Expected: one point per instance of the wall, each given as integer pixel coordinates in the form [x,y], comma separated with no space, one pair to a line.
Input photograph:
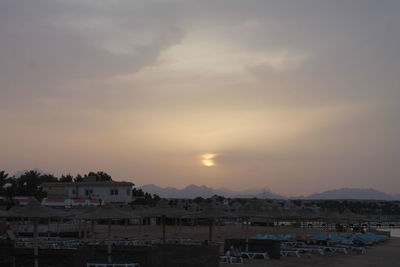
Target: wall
[103,193]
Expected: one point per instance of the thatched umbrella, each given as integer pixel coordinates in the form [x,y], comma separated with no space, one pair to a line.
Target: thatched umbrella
[276,214]
[34,211]
[4,213]
[163,210]
[346,216]
[211,212]
[129,209]
[246,212]
[77,214]
[106,212]
[137,209]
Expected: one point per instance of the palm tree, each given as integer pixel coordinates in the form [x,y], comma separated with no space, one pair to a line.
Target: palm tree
[3,177]
[3,180]
[66,178]
[28,184]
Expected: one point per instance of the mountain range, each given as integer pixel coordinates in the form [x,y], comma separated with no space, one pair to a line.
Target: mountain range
[192,191]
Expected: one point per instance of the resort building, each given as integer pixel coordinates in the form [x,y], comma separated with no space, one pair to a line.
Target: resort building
[105,191]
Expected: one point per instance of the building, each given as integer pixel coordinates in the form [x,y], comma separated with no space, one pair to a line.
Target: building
[106,191]
[69,203]
[20,200]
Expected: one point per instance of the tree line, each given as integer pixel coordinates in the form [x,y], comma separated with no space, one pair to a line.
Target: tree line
[28,183]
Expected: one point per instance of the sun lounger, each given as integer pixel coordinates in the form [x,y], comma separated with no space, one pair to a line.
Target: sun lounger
[105,264]
[334,249]
[230,260]
[290,252]
[224,259]
[254,255]
[293,243]
[311,250]
[361,250]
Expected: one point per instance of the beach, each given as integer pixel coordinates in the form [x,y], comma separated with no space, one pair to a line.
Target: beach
[380,255]
[386,254]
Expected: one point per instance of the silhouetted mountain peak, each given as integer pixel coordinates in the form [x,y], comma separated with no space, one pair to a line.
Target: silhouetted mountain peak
[193,191]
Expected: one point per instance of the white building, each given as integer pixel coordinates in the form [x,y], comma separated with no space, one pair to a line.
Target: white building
[107,192]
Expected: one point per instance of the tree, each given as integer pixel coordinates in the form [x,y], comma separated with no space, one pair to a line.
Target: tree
[66,178]
[156,197]
[48,178]
[78,178]
[28,184]
[100,176]
[3,179]
[199,200]
[137,192]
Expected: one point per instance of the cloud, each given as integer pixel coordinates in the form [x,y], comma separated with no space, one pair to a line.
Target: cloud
[284,90]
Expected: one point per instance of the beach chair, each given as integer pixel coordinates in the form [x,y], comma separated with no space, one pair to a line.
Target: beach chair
[293,244]
[311,250]
[358,249]
[105,264]
[255,255]
[235,260]
[334,249]
[224,259]
[290,252]
[230,260]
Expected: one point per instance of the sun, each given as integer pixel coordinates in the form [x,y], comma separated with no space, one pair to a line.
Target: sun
[208,159]
[208,162]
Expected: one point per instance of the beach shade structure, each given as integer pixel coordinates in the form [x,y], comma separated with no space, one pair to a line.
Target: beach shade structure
[34,211]
[302,215]
[277,214]
[211,212]
[346,216]
[7,214]
[77,213]
[137,209]
[246,212]
[4,213]
[351,216]
[163,210]
[129,209]
[306,214]
[106,212]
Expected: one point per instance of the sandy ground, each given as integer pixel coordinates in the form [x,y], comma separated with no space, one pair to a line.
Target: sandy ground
[381,255]
[199,233]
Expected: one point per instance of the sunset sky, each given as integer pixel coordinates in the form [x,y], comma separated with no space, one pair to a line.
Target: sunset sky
[297,96]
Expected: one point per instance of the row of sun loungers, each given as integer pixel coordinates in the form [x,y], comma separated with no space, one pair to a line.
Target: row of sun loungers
[230,260]
[57,243]
[250,255]
[105,264]
[344,244]
[255,255]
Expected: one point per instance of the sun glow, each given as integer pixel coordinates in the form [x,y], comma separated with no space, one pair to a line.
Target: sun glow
[208,159]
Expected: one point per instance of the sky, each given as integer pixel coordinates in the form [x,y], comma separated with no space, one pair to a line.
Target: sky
[296,96]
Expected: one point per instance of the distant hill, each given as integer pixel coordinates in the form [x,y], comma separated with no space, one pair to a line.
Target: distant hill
[193,191]
[353,193]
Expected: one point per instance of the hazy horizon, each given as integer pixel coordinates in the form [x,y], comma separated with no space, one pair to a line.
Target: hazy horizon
[296,96]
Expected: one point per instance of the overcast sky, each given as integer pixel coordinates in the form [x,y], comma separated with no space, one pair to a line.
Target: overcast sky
[298,96]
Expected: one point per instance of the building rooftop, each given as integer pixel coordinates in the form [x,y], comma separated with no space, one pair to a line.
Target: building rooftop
[103,183]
